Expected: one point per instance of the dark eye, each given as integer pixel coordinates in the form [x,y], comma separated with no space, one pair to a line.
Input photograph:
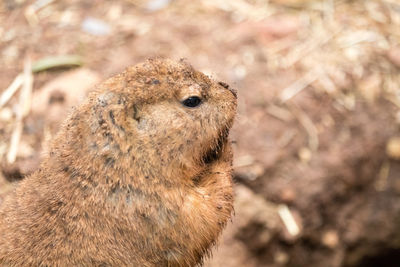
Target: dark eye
[192,101]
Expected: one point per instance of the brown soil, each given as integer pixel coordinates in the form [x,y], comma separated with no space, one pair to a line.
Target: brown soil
[318,110]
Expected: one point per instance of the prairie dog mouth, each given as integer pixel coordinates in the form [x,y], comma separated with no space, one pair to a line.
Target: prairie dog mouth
[215,152]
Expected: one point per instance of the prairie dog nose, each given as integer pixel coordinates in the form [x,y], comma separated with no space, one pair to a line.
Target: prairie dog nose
[226,86]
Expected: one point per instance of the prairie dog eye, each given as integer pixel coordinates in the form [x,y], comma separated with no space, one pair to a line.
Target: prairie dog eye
[192,101]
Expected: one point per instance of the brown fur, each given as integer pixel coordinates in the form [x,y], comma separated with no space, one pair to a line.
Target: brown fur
[133,178]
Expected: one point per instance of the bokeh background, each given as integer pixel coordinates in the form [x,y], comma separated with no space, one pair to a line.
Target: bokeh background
[316,139]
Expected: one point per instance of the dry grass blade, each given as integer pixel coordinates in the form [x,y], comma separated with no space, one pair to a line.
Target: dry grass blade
[39,4]
[286,138]
[10,91]
[26,92]
[252,11]
[15,138]
[307,123]
[31,11]
[243,161]
[24,105]
[302,51]
[57,62]
[298,86]
[279,113]
[288,220]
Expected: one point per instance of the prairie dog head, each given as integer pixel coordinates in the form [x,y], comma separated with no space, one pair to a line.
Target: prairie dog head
[163,117]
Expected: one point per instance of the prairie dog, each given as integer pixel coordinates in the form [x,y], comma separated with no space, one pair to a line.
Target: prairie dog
[138,175]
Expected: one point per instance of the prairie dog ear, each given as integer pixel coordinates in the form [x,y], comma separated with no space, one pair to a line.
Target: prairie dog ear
[117,109]
[116,118]
[110,107]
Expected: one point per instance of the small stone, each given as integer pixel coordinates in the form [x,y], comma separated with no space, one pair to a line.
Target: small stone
[155,5]
[305,154]
[115,12]
[240,72]
[393,148]
[281,258]
[6,114]
[96,27]
[330,239]
[288,195]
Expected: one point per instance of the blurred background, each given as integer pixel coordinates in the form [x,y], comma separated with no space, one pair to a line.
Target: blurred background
[317,138]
